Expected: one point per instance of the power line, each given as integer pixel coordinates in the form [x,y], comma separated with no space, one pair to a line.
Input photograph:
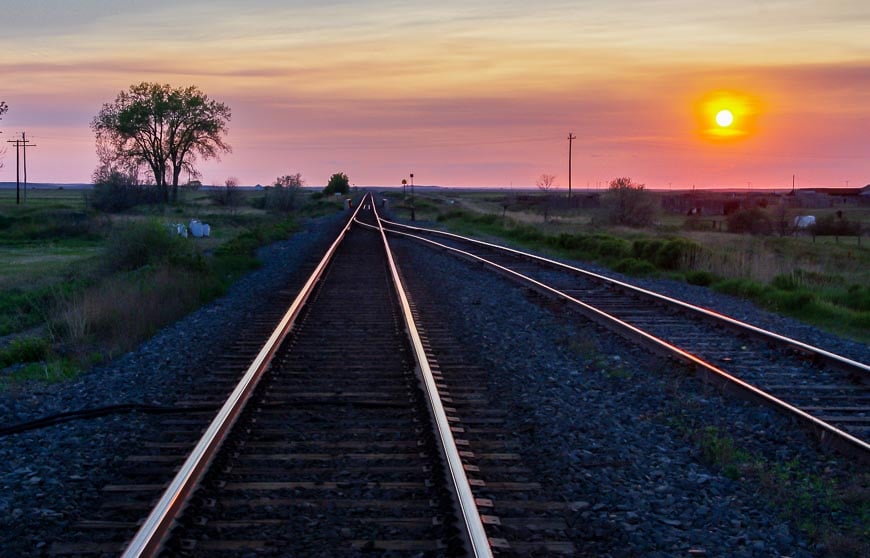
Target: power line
[19,144]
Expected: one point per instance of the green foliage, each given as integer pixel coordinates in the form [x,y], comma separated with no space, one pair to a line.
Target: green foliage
[50,371]
[30,349]
[750,221]
[666,254]
[139,244]
[238,255]
[634,266]
[700,278]
[338,183]
[163,127]
[51,224]
[117,191]
[740,287]
[835,225]
[856,297]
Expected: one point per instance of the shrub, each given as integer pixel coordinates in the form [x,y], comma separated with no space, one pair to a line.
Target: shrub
[740,287]
[751,221]
[611,247]
[856,297]
[633,266]
[792,300]
[835,225]
[677,253]
[139,244]
[647,248]
[700,278]
[666,254]
[117,191]
[24,350]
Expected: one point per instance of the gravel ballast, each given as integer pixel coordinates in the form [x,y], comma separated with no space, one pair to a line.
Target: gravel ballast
[622,433]
[611,428]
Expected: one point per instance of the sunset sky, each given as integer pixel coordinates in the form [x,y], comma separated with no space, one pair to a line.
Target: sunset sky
[471,93]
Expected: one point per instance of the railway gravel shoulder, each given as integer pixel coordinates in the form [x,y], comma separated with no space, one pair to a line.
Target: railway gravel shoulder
[49,477]
[618,433]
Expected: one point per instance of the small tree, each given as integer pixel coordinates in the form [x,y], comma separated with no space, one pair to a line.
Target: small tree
[545,183]
[750,221]
[285,193]
[338,183]
[228,195]
[628,203]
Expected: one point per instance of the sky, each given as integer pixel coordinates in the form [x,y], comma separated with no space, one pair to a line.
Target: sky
[470,93]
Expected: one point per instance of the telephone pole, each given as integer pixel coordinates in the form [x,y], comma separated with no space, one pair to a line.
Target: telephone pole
[19,143]
[571,138]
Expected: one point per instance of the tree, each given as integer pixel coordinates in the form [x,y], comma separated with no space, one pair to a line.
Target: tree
[628,203]
[338,183]
[285,193]
[290,181]
[162,127]
[3,108]
[545,182]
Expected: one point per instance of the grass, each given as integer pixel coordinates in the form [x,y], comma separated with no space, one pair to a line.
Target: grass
[834,513]
[820,281]
[83,286]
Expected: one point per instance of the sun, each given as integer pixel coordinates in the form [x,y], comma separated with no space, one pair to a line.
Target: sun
[727,115]
[724,118]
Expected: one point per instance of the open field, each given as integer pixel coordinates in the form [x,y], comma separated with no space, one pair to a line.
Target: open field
[824,280]
[82,286]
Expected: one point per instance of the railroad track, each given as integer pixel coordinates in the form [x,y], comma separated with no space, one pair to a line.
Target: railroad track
[827,393]
[354,430]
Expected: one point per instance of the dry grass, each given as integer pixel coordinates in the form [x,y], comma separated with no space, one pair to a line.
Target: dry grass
[763,258]
[123,310]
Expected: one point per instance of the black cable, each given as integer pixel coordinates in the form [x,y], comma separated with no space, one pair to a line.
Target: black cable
[69,416]
[124,408]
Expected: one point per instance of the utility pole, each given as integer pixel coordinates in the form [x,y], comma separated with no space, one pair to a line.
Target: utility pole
[19,143]
[24,145]
[571,138]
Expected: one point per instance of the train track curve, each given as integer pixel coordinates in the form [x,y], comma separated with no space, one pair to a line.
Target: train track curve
[825,392]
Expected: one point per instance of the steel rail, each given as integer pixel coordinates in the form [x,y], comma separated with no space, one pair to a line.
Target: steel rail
[478,540]
[805,347]
[827,433]
[153,533]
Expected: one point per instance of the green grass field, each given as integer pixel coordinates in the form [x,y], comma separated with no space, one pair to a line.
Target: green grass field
[85,286]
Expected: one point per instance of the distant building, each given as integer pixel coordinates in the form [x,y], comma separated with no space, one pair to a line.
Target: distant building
[829,197]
